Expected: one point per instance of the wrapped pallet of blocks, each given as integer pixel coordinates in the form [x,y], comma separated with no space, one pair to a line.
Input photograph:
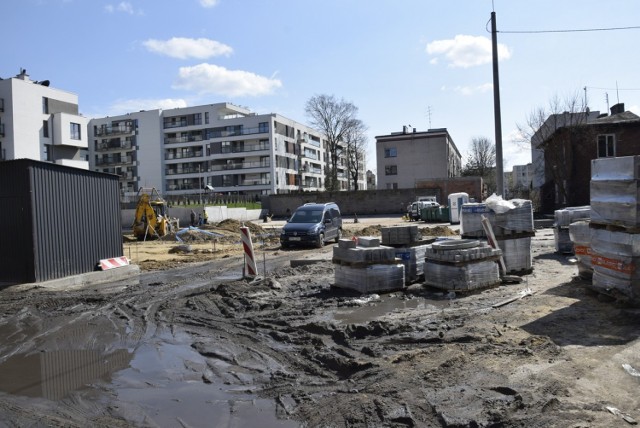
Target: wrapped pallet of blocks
[516,253]
[471,219]
[614,258]
[413,260]
[562,219]
[367,267]
[409,248]
[461,265]
[580,234]
[615,191]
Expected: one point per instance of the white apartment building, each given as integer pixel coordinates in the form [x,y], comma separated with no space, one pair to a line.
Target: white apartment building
[403,158]
[220,147]
[522,176]
[41,123]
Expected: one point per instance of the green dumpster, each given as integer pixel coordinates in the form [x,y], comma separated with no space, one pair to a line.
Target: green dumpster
[444,215]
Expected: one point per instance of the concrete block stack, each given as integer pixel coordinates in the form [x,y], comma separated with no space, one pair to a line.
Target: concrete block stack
[409,249]
[512,224]
[367,266]
[615,226]
[461,265]
[580,234]
[562,220]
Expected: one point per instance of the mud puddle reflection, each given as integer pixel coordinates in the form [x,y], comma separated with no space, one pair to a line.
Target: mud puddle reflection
[368,308]
[165,386]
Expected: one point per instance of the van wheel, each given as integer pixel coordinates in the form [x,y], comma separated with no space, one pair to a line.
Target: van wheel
[338,235]
[320,242]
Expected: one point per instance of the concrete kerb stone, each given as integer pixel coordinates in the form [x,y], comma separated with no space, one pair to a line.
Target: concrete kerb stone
[89,278]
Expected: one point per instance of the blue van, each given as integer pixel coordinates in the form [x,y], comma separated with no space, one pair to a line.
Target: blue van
[312,224]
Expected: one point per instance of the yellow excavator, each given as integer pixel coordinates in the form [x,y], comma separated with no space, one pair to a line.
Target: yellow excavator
[151,220]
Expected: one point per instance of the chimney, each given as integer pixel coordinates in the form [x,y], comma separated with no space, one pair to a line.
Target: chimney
[404,129]
[617,108]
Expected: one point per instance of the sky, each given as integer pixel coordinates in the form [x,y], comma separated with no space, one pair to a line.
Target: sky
[418,63]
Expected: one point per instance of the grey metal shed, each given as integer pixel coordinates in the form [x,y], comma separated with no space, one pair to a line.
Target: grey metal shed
[55,221]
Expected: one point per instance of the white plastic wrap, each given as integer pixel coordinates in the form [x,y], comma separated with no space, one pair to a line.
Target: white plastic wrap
[616,202]
[615,257]
[516,254]
[471,218]
[413,260]
[566,216]
[580,235]
[618,168]
[562,239]
[461,278]
[517,219]
[370,279]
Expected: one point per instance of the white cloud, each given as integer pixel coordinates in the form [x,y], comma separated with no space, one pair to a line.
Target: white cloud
[466,51]
[470,90]
[137,104]
[212,79]
[124,7]
[183,48]
[634,109]
[208,3]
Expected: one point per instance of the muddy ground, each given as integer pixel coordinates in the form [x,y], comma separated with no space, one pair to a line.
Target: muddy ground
[194,345]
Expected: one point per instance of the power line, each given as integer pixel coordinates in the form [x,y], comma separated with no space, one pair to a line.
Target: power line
[613,89]
[583,30]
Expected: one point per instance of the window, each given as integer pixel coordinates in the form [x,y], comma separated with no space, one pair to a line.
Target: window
[391,152]
[206,117]
[606,146]
[45,128]
[75,131]
[391,170]
[263,127]
[45,105]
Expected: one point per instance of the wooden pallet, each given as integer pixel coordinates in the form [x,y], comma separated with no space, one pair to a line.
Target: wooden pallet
[364,264]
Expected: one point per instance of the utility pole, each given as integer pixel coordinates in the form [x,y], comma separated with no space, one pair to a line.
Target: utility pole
[496,108]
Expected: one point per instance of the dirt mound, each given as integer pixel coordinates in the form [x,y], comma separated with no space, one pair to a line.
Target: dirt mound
[234,226]
[438,231]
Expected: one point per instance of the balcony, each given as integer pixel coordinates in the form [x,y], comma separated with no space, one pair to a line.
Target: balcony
[1,129]
[239,165]
[185,170]
[114,161]
[125,145]
[183,155]
[104,131]
[234,133]
[185,139]
[1,105]
[245,148]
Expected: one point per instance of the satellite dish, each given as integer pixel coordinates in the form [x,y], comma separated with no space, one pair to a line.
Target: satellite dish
[45,83]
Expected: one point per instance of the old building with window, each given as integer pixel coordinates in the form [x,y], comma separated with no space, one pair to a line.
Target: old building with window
[562,151]
[404,158]
[221,148]
[41,123]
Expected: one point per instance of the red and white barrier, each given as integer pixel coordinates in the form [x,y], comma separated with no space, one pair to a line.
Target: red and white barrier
[116,262]
[249,259]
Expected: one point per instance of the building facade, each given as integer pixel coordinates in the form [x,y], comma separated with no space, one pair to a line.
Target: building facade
[404,158]
[41,123]
[569,150]
[221,148]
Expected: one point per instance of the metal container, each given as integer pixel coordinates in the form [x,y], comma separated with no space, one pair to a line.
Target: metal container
[55,221]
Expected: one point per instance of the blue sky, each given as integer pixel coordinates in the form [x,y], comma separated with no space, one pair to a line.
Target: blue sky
[422,63]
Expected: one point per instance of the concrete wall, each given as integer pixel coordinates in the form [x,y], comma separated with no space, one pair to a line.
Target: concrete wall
[216,214]
[369,202]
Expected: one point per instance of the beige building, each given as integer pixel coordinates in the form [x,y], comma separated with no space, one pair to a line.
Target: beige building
[403,158]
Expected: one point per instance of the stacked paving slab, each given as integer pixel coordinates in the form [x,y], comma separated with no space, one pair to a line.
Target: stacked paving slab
[580,234]
[512,224]
[461,265]
[562,220]
[366,266]
[409,249]
[615,226]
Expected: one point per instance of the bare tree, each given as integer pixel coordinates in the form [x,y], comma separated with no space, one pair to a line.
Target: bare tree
[481,161]
[553,134]
[334,118]
[356,145]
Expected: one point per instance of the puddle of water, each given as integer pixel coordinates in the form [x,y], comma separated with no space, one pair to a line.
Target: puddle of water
[164,386]
[54,374]
[387,304]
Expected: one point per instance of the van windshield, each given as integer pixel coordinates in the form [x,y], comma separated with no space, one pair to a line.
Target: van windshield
[306,216]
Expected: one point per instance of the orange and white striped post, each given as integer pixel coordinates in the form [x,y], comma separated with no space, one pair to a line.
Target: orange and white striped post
[250,268]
